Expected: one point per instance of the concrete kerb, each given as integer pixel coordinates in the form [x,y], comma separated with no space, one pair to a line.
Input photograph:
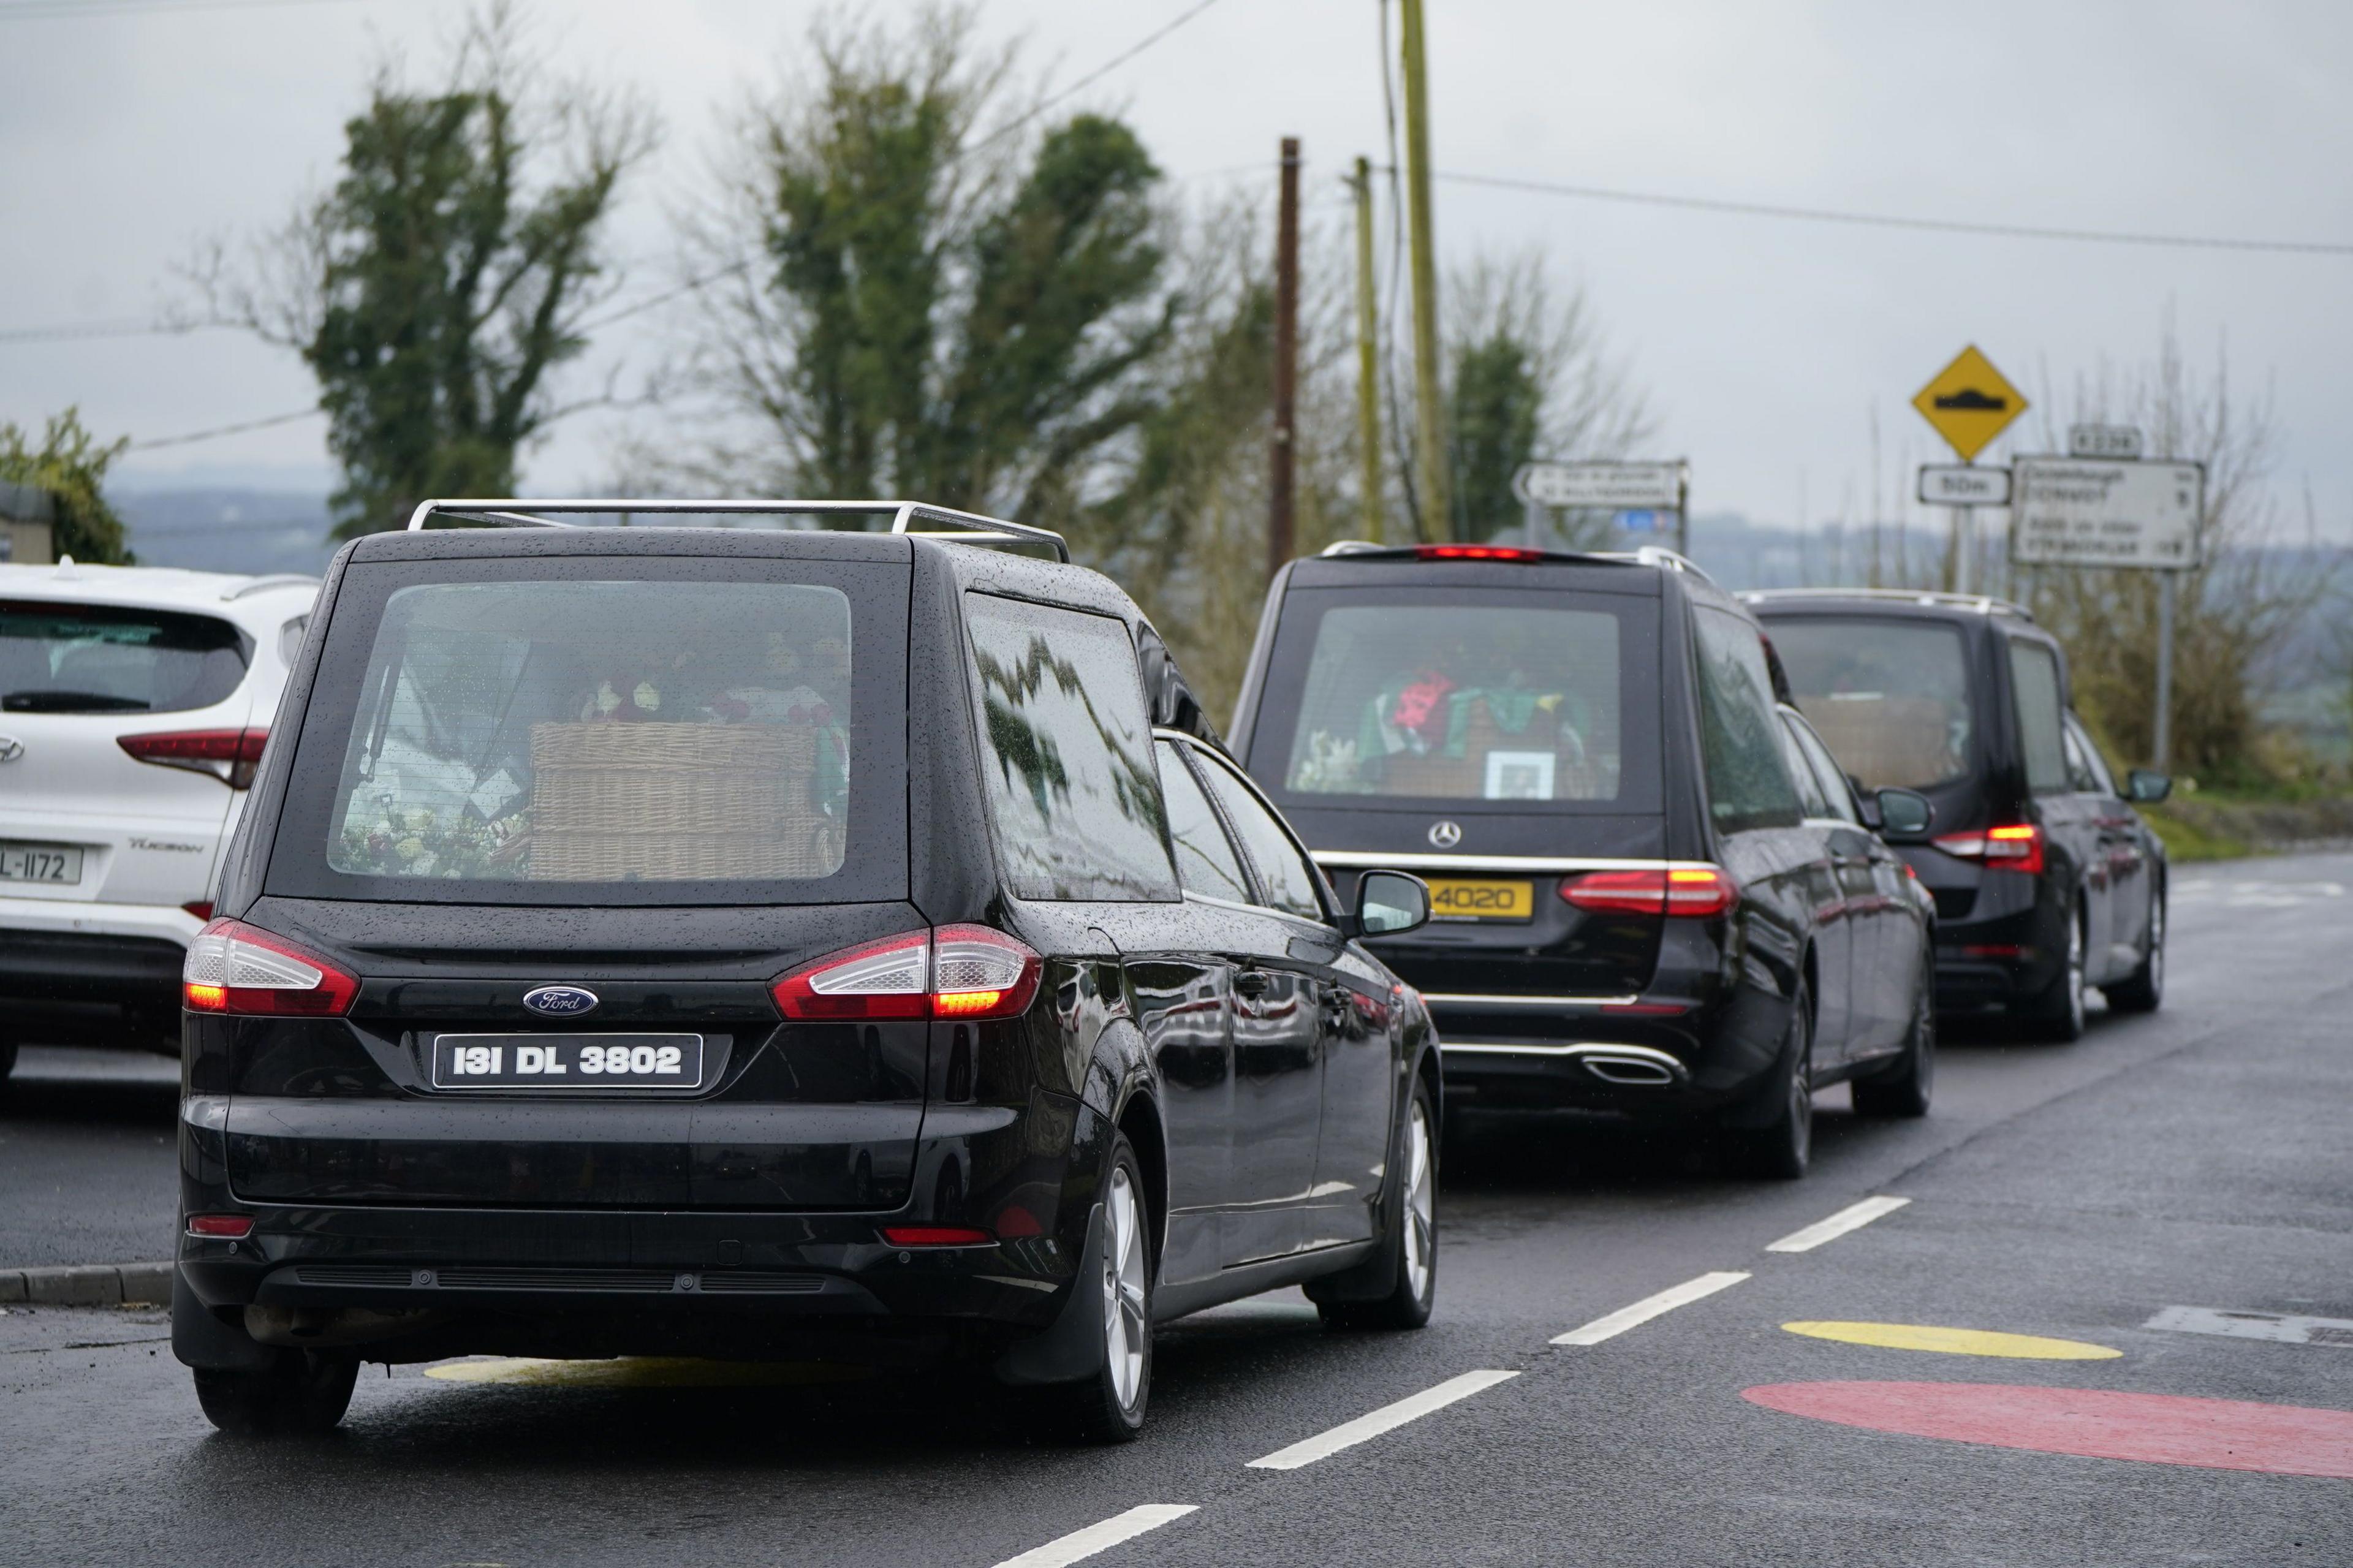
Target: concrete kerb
[87,1285]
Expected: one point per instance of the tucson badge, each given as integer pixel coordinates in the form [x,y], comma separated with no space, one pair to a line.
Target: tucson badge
[560,1001]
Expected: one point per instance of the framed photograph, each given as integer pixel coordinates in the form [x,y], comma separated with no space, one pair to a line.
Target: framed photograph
[1519,776]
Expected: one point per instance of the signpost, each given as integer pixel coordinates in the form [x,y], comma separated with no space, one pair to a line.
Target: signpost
[2114,513]
[1630,489]
[1963,484]
[2104,441]
[1968,403]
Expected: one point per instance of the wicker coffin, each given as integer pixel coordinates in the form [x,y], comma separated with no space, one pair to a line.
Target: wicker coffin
[613,803]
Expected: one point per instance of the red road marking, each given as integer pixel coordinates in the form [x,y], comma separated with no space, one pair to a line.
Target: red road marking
[2101,1423]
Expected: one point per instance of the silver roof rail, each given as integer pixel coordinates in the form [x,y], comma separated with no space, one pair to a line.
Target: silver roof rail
[1354,547]
[263,584]
[961,527]
[1979,604]
[1659,555]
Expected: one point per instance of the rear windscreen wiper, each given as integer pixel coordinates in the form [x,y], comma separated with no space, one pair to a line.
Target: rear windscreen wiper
[69,702]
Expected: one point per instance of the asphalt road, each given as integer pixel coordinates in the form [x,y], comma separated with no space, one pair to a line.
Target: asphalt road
[2201,1158]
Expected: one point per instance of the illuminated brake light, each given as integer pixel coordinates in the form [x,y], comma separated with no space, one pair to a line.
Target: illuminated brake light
[239,969]
[961,972]
[231,756]
[937,1236]
[1691,892]
[2013,847]
[1474,553]
[221,1226]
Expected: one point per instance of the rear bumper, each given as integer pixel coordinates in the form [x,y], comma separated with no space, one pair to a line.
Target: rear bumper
[93,972]
[2002,957]
[420,1284]
[1663,1070]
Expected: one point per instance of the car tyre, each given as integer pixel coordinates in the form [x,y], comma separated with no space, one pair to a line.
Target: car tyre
[304,1393]
[1781,1148]
[2143,991]
[1904,1089]
[1412,1240]
[2057,1015]
[1108,1405]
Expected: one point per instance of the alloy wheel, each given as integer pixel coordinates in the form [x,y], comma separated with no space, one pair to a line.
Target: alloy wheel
[1124,1327]
[1421,1203]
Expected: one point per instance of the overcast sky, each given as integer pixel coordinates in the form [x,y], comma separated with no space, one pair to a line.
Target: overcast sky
[1767,345]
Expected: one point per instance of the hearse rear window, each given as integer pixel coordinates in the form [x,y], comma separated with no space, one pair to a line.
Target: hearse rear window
[543,739]
[1505,696]
[1890,698]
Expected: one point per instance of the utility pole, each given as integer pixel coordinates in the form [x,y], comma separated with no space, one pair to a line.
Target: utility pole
[1437,513]
[1286,363]
[1368,362]
[2161,743]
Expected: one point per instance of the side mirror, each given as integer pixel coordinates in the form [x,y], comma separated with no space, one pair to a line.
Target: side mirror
[1904,813]
[2143,787]
[1389,902]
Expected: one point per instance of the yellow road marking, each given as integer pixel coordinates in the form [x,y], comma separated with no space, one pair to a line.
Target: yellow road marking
[1953,1341]
[641,1372]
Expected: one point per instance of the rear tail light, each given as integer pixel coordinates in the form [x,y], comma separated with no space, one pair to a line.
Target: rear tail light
[233,967]
[961,972]
[937,1236]
[229,755]
[1474,553]
[200,908]
[221,1226]
[2013,847]
[1692,892]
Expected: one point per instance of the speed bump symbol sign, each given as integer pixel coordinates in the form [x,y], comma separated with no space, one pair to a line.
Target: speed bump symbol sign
[1969,403]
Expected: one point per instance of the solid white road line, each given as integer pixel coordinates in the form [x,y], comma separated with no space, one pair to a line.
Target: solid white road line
[1648,1307]
[1854,1217]
[1388,1417]
[1082,1544]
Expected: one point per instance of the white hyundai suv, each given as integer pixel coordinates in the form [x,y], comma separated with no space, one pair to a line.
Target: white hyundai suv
[133,705]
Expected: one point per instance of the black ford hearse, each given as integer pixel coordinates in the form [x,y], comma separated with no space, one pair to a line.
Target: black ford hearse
[771,941]
[1649,897]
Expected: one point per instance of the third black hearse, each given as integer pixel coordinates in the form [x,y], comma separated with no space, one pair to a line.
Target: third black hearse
[1638,908]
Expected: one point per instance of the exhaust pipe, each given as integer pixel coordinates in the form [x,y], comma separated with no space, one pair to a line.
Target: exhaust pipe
[1629,1070]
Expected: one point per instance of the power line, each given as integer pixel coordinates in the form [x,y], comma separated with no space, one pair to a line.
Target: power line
[122,327]
[38,10]
[224,430]
[1890,220]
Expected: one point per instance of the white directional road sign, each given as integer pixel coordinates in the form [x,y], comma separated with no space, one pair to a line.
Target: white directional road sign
[2102,441]
[1964,484]
[2075,512]
[1614,486]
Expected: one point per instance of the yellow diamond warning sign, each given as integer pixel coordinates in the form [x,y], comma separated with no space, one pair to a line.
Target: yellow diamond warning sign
[1969,403]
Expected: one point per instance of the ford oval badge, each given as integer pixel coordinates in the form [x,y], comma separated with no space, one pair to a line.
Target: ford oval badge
[560,1001]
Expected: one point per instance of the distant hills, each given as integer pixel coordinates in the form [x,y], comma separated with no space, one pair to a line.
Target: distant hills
[228,528]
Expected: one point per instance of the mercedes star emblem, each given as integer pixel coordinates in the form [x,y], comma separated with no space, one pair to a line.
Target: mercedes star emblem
[1446,835]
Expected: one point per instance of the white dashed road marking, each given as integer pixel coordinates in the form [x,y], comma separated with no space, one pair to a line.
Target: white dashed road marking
[1648,1307]
[1854,1217]
[2278,1328]
[1082,1544]
[1388,1417]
